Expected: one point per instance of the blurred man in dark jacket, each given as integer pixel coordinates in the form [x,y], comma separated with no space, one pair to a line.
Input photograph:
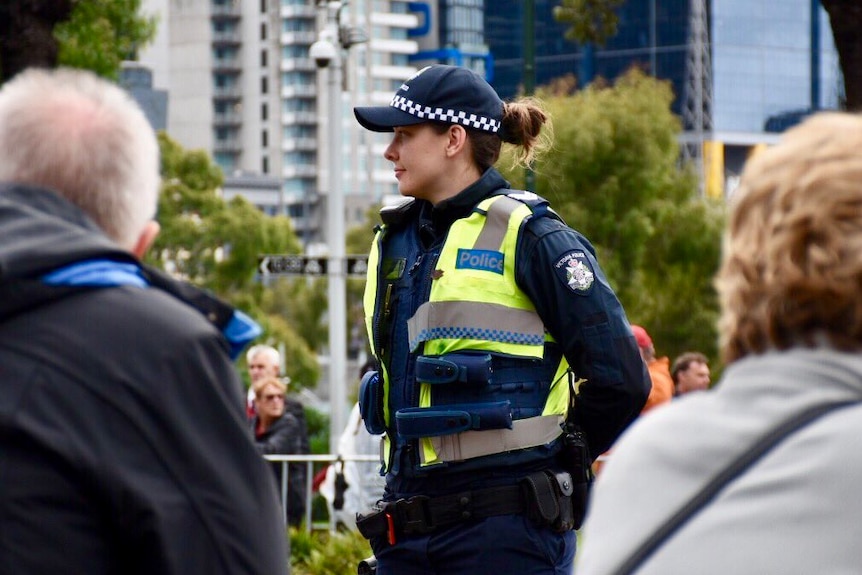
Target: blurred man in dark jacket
[124,443]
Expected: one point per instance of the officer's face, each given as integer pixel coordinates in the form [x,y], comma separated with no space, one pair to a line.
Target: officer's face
[419,155]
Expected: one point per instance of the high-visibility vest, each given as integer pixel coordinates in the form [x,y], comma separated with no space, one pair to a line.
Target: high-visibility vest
[476,306]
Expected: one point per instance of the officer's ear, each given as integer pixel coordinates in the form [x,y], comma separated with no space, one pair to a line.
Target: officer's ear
[457,140]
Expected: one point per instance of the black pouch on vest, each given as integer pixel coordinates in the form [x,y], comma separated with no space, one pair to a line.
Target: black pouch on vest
[414,422]
[371,403]
[472,369]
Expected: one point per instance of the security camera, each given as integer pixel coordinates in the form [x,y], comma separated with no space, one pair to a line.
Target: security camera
[323,52]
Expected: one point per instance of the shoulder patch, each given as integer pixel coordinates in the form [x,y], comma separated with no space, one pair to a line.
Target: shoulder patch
[576,272]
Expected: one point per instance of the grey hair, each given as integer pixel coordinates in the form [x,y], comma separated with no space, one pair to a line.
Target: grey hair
[266,350]
[86,139]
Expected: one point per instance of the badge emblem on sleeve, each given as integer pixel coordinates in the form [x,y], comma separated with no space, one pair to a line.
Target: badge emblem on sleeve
[575,271]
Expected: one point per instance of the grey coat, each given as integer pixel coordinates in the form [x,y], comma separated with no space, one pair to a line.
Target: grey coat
[793,511]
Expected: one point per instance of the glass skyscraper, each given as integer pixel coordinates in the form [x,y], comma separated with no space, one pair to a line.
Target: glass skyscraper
[651,35]
[762,65]
[761,54]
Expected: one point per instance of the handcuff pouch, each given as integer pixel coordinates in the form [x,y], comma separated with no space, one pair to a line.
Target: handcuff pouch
[371,403]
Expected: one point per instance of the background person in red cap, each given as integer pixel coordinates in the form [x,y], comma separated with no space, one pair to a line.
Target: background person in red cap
[481,305]
[662,390]
[659,370]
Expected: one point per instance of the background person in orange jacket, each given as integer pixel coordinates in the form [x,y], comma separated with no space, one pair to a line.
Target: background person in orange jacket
[659,370]
[662,390]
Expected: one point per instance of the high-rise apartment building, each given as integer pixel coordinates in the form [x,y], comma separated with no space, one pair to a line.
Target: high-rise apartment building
[218,60]
[242,86]
[403,37]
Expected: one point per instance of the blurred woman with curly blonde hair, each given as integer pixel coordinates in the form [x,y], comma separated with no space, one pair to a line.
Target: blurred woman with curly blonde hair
[764,468]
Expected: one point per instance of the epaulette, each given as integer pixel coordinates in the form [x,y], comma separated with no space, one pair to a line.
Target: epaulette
[537,204]
[395,214]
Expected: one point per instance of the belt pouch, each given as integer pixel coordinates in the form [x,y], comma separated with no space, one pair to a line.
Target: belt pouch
[371,403]
[549,499]
[565,489]
[415,422]
[474,369]
[372,525]
[542,502]
[575,458]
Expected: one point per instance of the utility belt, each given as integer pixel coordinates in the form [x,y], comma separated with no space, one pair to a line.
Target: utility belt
[543,496]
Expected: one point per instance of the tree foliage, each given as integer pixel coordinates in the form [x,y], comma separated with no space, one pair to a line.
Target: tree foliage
[216,244]
[358,242]
[614,175]
[100,34]
[95,35]
[592,21]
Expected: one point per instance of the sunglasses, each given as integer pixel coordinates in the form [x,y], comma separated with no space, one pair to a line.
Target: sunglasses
[277,396]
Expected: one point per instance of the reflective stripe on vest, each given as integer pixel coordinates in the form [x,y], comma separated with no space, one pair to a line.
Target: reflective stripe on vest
[530,432]
[462,320]
[475,302]
[369,297]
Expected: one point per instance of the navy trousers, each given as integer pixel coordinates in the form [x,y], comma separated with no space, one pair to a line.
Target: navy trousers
[499,545]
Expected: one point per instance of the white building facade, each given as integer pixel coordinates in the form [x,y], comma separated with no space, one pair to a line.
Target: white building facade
[242,86]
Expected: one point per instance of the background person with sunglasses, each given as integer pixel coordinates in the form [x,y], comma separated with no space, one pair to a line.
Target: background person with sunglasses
[277,432]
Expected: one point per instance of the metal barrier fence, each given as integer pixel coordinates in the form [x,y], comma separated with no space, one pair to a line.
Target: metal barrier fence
[309,461]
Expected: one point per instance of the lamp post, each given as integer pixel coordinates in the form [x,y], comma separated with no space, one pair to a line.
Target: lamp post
[328,53]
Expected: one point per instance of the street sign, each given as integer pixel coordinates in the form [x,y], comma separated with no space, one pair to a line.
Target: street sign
[295,265]
[357,266]
[300,265]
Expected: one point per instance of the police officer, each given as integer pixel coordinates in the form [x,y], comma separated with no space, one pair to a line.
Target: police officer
[484,311]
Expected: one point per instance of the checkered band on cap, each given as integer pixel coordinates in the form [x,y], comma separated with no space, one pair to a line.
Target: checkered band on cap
[443,115]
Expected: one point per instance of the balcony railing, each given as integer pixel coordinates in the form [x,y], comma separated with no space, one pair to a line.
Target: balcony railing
[227,118]
[299,91]
[227,92]
[302,118]
[297,65]
[229,37]
[304,38]
[227,65]
[227,145]
[296,11]
[299,144]
[230,10]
